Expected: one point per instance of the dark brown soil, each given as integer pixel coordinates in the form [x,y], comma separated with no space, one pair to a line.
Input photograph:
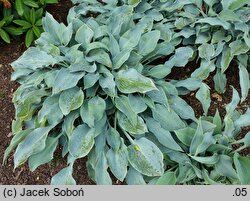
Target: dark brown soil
[22,175]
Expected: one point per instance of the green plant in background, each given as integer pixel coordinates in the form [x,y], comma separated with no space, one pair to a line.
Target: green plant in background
[96,88]
[23,16]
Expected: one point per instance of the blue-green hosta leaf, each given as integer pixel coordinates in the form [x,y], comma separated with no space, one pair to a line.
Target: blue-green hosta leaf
[238,47]
[214,21]
[234,4]
[233,104]
[137,103]
[113,46]
[185,135]
[244,82]
[243,120]
[207,141]
[95,45]
[160,71]
[50,110]
[134,3]
[169,178]
[148,42]
[134,177]
[102,176]
[100,56]
[242,165]
[190,83]
[56,33]
[203,38]
[108,84]
[208,160]
[114,139]
[202,73]
[217,121]
[121,58]
[84,35]
[68,123]
[64,177]
[159,96]
[168,119]
[224,167]
[182,108]
[220,36]
[65,80]
[32,144]
[197,139]
[130,81]
[206,51]
[46,155]
[34,58]
[119,18]
[163,136]
[81,141]
[18,137]
[136,128]
[229,15]
[220,82]
[93,110]
[71,99]
[131,38]
[146,157]
[226,59]
[203,95]
[182,56]
[122,103]
[118,162]
[90,79]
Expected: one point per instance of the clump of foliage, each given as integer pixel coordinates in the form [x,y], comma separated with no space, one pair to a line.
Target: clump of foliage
[97,89]
[22,17]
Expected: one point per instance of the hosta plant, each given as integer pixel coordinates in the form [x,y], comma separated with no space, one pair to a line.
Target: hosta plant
[96,88]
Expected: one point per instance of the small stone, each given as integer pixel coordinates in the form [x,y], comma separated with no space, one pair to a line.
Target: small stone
[217,96]
[1,65]
[9,135]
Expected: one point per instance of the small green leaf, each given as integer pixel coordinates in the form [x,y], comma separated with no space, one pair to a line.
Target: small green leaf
[29,38]
[4,35]
[19,7]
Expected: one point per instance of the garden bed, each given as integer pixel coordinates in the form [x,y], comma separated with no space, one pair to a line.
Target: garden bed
[42,175]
